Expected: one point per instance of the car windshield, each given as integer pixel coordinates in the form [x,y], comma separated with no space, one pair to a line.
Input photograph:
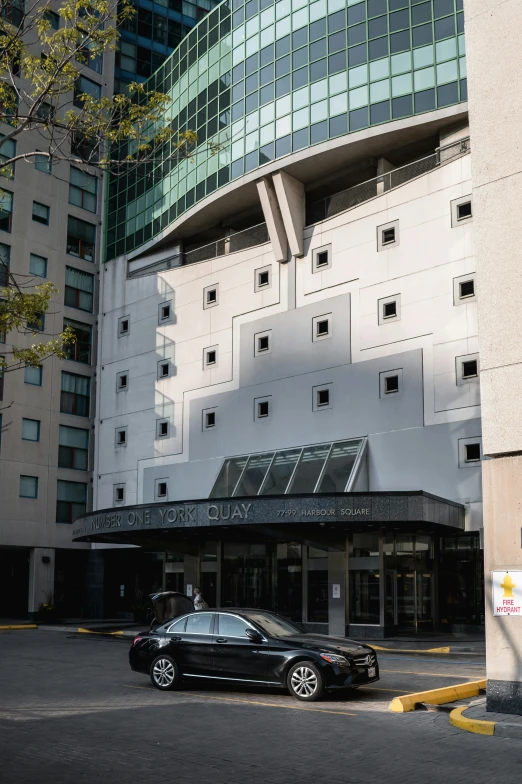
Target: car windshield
[276,626]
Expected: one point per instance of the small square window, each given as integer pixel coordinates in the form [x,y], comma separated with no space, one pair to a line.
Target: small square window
[464,210]
[33,375]
[263,344]
[30,429]
[122,381]
[162,428]
[41,213]
[211,357]
[389,310]
[470,368]
[163,370]
[263,279]
[461,211]
[119,494]
[472,452]
[391,384]
[28,487]
[121,436]
[161,489]
[123,326]
[210,296]
[262,409]
[466,289]
[164,312]
[323,397]
[321,258]
[388,235]
[209,420]
[322,327]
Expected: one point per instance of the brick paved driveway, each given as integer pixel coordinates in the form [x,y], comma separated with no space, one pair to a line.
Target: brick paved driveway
[71,710]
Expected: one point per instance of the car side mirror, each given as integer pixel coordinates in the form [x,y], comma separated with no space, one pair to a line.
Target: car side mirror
[253,635]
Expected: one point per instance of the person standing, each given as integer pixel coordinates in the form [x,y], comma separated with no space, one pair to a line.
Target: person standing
[199,602]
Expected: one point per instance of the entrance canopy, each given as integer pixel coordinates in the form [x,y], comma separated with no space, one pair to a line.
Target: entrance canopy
[299,516]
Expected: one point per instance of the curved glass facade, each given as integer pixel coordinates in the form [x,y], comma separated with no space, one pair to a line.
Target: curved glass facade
[265,79]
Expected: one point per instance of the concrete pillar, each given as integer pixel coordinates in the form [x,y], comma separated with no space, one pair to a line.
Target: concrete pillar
[502,488]
[383,166]
[291,197]
[337,593]
[274,221]
[41,578]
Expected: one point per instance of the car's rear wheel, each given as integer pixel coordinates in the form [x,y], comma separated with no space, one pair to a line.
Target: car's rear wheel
[305,682]
[164,673]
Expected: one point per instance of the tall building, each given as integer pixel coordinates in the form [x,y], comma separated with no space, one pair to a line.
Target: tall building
[288,407]
[496,114]
[50,230]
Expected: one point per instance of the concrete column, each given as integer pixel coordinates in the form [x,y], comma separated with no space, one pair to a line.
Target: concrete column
[274,221]
[337,593]
[41,578]
[502,487]
[291,197]
[383,166]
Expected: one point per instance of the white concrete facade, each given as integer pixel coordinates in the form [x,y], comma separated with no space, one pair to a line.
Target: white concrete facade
[417,437]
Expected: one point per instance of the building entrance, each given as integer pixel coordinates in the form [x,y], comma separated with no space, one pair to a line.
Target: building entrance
[409,580]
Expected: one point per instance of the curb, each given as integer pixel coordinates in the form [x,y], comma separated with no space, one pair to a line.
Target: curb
[460,691]
[18,627]
[478,726]
[413,650]
[105,634]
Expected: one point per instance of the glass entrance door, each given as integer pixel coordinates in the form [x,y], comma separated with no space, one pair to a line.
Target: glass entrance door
[409,583]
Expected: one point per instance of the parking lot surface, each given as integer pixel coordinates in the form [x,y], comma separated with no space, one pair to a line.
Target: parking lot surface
[70,708]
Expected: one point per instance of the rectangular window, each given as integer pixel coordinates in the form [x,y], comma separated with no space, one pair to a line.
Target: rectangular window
[38,265]
[470,369]
[210,296]
[119,494]
[41,213]
[472,452]
[163,369]
[94,62]
[38,325]
[79,289]
[71,501]
[83,147]
[162,489]
[262,409]
[121,436]
[165,312]
[75,394]
[8,151]
[28,487]
[162,428]
[467,289]
[391,384]
[83,189]
[5,263]
[13,11]
[123,326]
[122,381]
[210,357]
[85,86]
[209,420]
[81,238]
[33,375]
[53,19]
[73,449]
[43,163]
[388,235]
[323,398]
[6,210]
[80,351]
[321,258]
[30,429]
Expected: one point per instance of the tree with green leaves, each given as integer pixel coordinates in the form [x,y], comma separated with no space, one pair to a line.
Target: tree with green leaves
[61,115]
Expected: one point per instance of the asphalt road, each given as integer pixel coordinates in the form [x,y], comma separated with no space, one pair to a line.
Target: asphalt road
[71,709]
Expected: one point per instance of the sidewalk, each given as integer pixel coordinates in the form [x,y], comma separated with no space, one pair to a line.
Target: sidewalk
[447,644]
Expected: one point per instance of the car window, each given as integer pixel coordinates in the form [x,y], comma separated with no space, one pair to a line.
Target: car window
[179,626]
[199,623]
[230,626]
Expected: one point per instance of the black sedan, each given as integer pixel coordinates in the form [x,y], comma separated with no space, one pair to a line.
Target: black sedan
[251,646]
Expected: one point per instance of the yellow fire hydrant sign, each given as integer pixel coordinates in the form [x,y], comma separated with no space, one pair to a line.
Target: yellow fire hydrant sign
[507,592]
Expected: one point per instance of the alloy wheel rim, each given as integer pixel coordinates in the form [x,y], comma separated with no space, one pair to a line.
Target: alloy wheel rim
[163,672]
[304,682]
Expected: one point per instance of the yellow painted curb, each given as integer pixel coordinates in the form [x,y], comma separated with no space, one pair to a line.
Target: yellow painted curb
[437,696]
[478,726]
[90,631]
[20,626]
[413,650]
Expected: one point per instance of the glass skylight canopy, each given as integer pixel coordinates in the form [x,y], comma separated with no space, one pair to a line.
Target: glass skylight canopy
[319,468]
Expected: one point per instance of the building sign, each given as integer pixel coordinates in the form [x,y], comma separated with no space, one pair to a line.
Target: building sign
[507,592]
[348,508]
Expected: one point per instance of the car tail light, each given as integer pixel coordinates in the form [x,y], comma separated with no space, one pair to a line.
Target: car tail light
[137,639]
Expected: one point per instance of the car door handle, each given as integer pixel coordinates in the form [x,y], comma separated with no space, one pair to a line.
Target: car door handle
[175,639]
[221,639]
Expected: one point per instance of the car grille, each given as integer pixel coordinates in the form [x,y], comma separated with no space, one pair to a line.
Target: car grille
[368,660]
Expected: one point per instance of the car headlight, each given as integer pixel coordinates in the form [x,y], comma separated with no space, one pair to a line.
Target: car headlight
[334,658]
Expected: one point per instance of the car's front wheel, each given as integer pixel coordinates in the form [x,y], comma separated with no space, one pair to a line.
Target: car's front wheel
[164,673]
[305,682]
